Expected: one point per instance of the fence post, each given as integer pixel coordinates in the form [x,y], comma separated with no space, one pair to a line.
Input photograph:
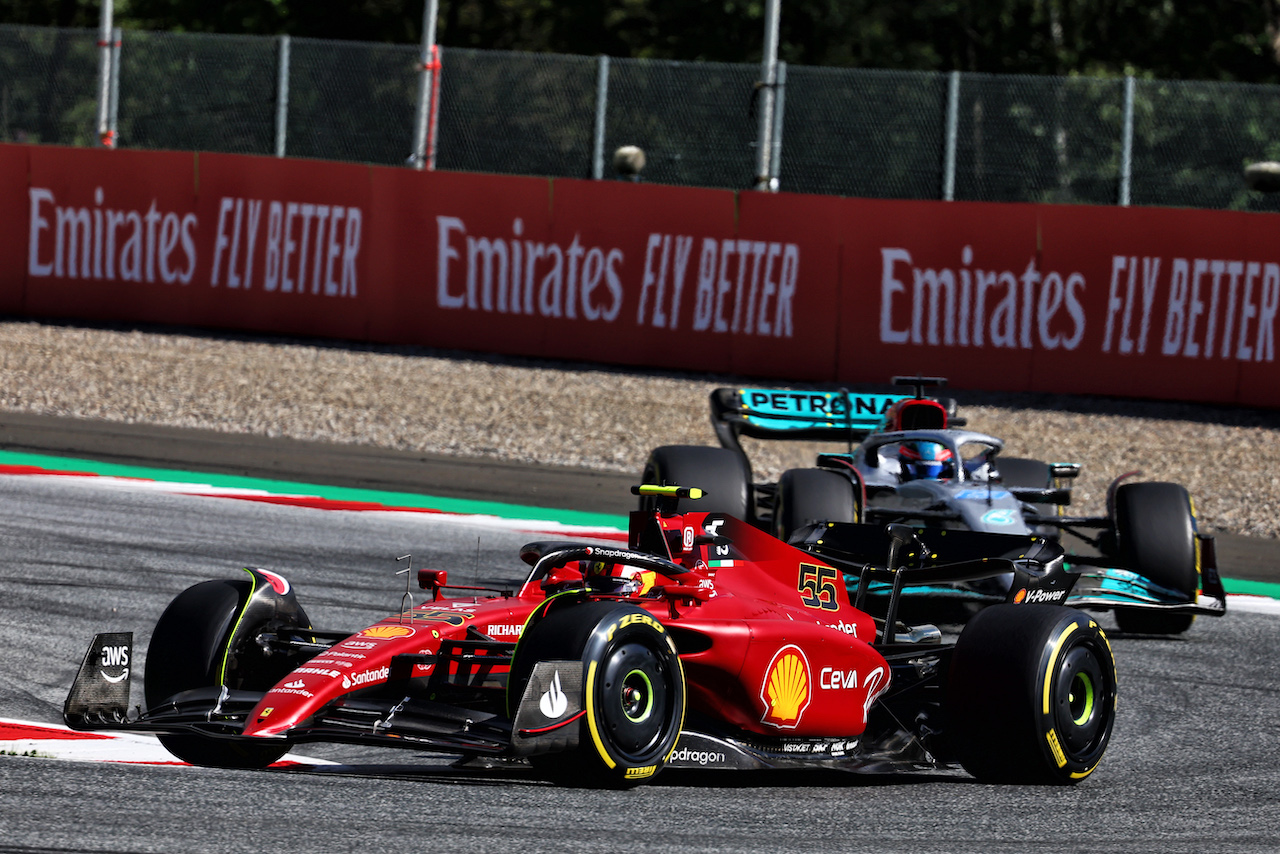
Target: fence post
[779,108]
[113,110]
[768,86]
[1126,143]
[953,126]
[282,96]
[426,86]
[106,137]
[602,101]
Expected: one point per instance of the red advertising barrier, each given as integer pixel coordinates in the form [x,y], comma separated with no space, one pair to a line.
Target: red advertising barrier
[911,303]
[282,247]
[110,238]
[793,289]
[449,254]
[13,226]
[1157,303]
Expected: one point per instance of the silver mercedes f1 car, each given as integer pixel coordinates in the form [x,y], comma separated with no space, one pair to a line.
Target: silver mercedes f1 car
[909,460]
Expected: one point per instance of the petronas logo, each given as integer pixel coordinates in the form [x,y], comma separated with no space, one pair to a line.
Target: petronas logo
[786,688]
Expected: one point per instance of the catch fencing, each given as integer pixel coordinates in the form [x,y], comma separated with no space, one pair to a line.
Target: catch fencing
[838,131]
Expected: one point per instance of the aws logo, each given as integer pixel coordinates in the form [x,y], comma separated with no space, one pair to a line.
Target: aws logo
[114,657]
[787,688]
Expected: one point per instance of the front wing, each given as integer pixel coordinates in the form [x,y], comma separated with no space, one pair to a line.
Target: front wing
[100,700]
[1110,587]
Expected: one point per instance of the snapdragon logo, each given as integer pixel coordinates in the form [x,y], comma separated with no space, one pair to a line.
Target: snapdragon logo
[698,757]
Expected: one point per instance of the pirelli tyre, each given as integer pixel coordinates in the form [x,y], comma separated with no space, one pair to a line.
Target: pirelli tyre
[189,649]
[811,495]
[724,475]
[632,691]
[1155,527]
[1031,695]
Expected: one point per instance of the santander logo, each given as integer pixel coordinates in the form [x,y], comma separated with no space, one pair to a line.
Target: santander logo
[365,678]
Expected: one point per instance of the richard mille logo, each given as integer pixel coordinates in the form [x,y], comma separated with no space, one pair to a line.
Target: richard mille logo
[554,703]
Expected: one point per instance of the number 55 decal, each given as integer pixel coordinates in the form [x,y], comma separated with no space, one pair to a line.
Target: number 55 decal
[818,587]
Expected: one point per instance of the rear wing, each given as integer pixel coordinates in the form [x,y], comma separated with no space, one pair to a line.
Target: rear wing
[786,414]
[840,416]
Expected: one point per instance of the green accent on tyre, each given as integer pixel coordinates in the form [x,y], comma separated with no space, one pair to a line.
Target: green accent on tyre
[646,693]
[1081,683]
[392,500]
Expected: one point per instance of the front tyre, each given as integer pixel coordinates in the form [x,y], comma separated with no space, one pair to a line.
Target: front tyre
[1156,534]
[190,649]
[806,496]
[633,694]
[1031,695]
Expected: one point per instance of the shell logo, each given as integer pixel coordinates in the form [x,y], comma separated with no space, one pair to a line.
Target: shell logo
[386,632]
[787,688]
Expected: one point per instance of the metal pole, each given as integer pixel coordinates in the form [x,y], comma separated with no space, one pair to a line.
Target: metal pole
[602,102]
[106,138]
[768,83]
[1126,143]
[433,120]
[779,105]
[422,115]
[113,112]
[953,125]
[282,96]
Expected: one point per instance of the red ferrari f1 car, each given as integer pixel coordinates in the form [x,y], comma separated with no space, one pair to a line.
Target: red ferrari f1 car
[705,643]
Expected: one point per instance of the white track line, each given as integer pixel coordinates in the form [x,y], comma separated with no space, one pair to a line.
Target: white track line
[53,741]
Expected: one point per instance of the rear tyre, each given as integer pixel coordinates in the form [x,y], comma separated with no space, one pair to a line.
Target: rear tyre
[1031,695]
[722,474]
[188,649]
[806,496]
[1156,535]
[633,692]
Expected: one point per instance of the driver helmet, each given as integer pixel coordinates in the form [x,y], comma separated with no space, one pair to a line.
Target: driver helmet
[619,579]
[928,460]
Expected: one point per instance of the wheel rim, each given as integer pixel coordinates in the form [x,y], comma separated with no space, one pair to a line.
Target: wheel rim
[1081,698]
[637,696]
[634,691]
[1082,692]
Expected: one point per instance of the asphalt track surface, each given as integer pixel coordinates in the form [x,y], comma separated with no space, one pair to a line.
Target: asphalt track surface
[365,467]
[1194,764]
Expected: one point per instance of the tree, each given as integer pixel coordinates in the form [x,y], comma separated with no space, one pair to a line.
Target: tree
[1235,40]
